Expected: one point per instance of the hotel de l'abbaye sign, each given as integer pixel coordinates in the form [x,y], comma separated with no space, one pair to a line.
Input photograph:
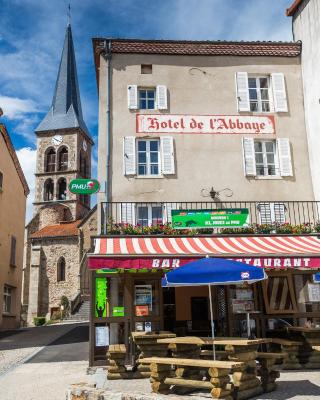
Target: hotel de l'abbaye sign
[205,124]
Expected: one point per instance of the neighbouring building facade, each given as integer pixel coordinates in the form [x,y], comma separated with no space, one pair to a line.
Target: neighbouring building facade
[206,130]
[306,28]
[57,236]
[13,193]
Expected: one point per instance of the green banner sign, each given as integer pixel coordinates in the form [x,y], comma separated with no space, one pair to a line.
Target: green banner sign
[84,186]
[118,312]
[101,297]
[223,218]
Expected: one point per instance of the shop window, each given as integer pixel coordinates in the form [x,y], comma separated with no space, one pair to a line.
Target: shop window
[62,189]
[48,190]
[13,251]
[147,99]
[146,298]
[7,299]
[148,157]
[63,159]
[279,295]
[270,213]
[50,161]
[149,215]
[61,270]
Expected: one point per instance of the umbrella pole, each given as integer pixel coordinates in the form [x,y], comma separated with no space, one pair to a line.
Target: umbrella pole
[212,324]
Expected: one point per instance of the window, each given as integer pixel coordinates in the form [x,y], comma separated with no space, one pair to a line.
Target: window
[50,161]
[7,299]
[1,180]
[148,157]
[61,270]
[62,189]
[259,94]
[265,156]
[148,215]
[270,213]
[147,99]
[146,68]
[63,159]
[48,190]
[13,251]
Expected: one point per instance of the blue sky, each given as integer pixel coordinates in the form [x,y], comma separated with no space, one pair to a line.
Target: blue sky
[32,33]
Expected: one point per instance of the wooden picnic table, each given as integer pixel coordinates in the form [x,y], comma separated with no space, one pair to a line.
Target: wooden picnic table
[309,351]
[290,348]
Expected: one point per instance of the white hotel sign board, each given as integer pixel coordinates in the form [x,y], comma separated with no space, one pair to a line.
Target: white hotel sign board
[207,124]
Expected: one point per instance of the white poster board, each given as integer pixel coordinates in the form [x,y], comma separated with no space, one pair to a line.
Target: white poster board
[314,292]
[102,336]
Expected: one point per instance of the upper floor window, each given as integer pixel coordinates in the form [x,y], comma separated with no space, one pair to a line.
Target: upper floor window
[48,190]
[1,180]
[61,270]
[148,157]
[13,251]
[261,93]
[146,68]
[50,161]
[62,189]
[267,158]
[63,159]
[149,215]
[7,299]
[147,99]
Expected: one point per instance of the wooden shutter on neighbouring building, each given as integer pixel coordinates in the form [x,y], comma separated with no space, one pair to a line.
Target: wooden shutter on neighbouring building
[249,162]
[161,94]
[242,89]
[129,155]
[279,92]
[284,152]
[132,97]
[167,155]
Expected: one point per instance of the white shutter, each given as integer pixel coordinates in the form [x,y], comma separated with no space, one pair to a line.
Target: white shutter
[132,97]
[270,213]
[127,211]
[129,155]
[242,89]
[279,92]
[167,219]
[283,147]
[249,162]
[167,155]
[161,96]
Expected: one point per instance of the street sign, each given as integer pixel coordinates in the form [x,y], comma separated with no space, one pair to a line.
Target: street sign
[84,186]
[224,218]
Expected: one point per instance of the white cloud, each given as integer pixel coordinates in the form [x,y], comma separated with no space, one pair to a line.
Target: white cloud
[27,158]
[15,108]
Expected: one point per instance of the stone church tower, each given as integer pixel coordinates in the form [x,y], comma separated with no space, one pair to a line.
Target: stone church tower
[58,236]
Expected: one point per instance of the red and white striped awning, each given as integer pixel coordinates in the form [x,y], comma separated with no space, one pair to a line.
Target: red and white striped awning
[214,246]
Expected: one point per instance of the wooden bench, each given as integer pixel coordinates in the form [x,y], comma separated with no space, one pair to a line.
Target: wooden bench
[291,349]
[187,375]
[221,355]
[267,370]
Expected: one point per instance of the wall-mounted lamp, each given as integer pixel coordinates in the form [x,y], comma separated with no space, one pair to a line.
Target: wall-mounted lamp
[214,194]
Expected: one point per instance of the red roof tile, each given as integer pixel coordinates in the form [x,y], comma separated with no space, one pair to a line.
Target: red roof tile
[12,152]
[293,8]
[59,230]
[199,48]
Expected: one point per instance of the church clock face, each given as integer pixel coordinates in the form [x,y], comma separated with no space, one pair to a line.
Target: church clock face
[84,145]
[56,140]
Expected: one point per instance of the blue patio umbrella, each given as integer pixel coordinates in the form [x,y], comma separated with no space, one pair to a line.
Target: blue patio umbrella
[316,277]
[214,271]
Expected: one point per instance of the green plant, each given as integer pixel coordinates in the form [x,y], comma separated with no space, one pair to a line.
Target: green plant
[64,302]
[317,226]
[285,228]
[39,321]
[263,228]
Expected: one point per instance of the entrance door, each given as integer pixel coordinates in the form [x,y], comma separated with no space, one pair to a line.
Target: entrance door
[199,313]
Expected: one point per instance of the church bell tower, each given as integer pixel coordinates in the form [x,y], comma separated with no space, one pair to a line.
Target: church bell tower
[63,147]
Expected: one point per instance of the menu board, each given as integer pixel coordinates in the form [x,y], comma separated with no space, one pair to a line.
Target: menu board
[244,294]
[242,305]
[143,296]
[102,336]
[314,292]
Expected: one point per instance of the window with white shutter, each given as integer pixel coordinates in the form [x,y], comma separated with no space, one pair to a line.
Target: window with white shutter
[242,90]
[132,97]
[167,155]
[279,92]
[128,213]
[162,103]
[270,213]
[284,152]
[249,163]
[129,155]
[148,155]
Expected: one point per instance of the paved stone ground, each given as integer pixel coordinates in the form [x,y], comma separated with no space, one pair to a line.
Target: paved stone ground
[292,385]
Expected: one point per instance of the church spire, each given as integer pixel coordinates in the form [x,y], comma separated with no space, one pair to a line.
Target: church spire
[65,111]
